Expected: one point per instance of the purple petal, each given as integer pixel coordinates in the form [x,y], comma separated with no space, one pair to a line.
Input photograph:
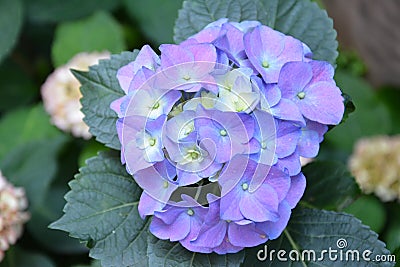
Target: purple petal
[179,128]
[291,164]
[146,58]
[233,172]
[307,52]
[322,103]
[172,55]
[142,80]
[125,75]
[271,94]
[308,145]
[195,228]
[246,25]
[210,32]
[204,53]
[293,78]
[269,50]
[287,137]
[322,71]
[154,184]
[288,110]
[226,247]
[178,230]
[232,42]
[229,207]
[279,181]
[245,235]
[116,106]
[274,229]
[296,191]
[148,205]
[187,178]
[135,160]
[262,205]
[211,235]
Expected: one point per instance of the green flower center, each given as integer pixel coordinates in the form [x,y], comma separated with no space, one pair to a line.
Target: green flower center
[223,132]
[165,185]
[156,105]
[265,64]
[245,186]
[264,145]
[301,95]
[152,142]
[190,212]
[194,154]
[186,77]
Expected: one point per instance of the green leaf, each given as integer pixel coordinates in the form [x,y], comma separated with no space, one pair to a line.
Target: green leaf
[333,175]
[102,210]
[11,16]
[17,257]
[370,118]
[301,19]
[99,88]
[164,253]
[90,149]
[43,215]
[51,207]
[19,89]
[392,230]
[397,256]
[370,211]
[390,97]
[156,18]
[307,22]
[196,14]
[50,11]
[23,126]
[93,264]
[320,230]
[98,32]
[33,166]
[348,107]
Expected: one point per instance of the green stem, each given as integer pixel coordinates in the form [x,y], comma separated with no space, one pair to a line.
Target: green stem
[293,244]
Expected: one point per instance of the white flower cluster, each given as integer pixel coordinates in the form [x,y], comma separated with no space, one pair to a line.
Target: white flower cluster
[375,164]
[61,94]
[13,204]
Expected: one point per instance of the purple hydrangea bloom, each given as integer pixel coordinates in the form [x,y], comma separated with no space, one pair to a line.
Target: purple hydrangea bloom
[277,138]
[187,67]
[213,129]
[180,221]
[269,50]
[229,132]
[146,58]
[316,94]
[224,236]
[193,161]
[273,187]
[142,142]
[310,137]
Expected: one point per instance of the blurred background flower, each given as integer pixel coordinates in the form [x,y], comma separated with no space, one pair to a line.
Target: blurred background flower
[61,94]
[375,164]
[13,204]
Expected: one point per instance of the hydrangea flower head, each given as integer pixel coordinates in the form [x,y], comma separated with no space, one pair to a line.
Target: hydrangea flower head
[13,204]
[61,95]
[213,130]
